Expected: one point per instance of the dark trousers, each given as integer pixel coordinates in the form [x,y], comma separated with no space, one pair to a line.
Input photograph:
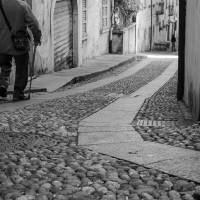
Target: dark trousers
[173,46]
[21,76]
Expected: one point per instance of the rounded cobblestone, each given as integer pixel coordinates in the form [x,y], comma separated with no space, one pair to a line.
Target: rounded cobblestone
[163,106]
[151,184]
[59,118]
[41,163]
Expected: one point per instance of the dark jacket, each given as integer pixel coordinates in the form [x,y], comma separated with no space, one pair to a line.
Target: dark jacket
[173,39]
[20,17]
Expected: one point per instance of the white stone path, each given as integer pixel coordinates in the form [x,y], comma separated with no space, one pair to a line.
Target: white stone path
[109,131]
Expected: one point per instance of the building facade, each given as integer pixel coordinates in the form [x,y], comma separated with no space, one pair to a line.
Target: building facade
[189,55]
[124,27]
[157,21]
[73,31]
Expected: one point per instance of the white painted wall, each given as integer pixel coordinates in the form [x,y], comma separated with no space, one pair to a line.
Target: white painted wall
[192,56]
[43,11]
[143,24]
[129,40]
[97,41]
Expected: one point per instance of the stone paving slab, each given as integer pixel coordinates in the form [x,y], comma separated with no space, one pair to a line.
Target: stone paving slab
[113,114]
[106,115]
[125,103]
[107,137]
[173,160]
[180,167]
[144,153]
[139,151]
[149,89]
[91,129]
[99,124]
[51,81]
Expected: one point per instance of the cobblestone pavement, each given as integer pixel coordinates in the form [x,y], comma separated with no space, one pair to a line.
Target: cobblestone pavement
[132,83]
[179,129]
[111,72]
[61,116]
[63,173]
[57,118]
[39,159]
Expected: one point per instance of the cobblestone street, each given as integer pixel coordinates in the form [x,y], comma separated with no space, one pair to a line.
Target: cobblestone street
[40,159]
[179,129]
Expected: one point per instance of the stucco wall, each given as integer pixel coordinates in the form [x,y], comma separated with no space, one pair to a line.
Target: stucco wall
[192,57]
[97,42]
[44,57]
[129,39]
[144,24]
[44,11]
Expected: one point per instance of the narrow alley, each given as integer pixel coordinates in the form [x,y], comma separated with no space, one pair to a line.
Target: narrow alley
[99,100]
[72,145]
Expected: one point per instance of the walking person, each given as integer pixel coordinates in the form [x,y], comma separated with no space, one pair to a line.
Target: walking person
[173,41]
[15,17]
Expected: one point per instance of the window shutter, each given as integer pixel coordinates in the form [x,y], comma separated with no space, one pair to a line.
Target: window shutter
[105,14]
[84,17]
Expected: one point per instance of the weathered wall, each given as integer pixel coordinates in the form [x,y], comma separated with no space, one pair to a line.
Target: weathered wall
[43,11]
[192,57]
[129,39]
[144,23]
[97,41]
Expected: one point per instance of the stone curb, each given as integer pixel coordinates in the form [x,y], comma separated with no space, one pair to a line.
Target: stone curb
[33,90]
[78,79]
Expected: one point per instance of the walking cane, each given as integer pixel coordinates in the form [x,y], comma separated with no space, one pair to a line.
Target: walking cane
[31,71]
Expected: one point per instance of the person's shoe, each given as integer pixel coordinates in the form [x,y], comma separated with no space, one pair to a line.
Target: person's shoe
[3,92]
[20,97]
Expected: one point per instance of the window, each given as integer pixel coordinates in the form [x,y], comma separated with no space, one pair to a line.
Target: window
[105,14]
[84,18]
